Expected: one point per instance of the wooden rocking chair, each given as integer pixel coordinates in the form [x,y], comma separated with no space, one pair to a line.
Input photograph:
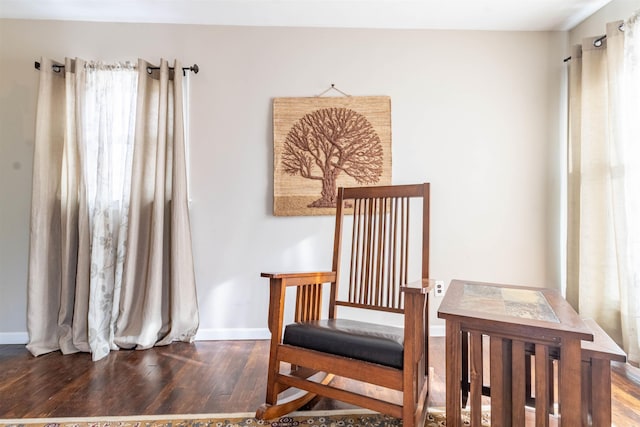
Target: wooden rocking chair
[313,350]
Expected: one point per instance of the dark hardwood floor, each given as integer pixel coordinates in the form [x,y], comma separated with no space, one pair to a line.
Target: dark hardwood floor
[204,377]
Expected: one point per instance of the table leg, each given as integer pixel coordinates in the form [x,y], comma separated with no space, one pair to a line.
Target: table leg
[570,383]
[601,395]
[454,373]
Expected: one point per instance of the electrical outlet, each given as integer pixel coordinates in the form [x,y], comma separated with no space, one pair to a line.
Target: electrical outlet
[439,288]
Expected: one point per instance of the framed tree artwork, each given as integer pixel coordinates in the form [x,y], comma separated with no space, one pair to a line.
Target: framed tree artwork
[322,143]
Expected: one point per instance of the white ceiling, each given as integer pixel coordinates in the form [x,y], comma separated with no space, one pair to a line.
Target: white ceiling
[503,15]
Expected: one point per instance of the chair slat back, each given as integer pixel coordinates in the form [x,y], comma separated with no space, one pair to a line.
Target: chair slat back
[378,244]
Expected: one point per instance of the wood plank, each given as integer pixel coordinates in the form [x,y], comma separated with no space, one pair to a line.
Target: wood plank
[518,389]
[358,370]
[27,382]
[500,379]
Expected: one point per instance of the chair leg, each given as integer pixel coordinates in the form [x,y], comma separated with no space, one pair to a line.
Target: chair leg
[272,386]
[414,409]
[409,398]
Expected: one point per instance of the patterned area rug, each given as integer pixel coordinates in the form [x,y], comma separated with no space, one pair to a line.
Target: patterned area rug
[352,418]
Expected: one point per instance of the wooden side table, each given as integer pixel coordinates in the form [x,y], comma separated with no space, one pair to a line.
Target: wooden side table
[513,318]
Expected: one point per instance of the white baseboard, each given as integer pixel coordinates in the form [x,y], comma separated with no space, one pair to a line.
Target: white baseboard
[14,338]
[436,330]
[264,334]
[228,334]
[233,334]
[202,335]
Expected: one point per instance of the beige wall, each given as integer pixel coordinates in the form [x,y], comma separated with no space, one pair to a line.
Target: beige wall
[474,113]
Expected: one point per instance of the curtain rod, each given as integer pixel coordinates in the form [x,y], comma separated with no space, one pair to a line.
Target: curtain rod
[597,42]
[57,68]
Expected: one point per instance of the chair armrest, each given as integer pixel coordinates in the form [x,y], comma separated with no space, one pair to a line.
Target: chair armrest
[423,286]
[278,283]
[302,278]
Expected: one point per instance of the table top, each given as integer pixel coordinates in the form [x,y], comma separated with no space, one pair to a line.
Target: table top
[497,305]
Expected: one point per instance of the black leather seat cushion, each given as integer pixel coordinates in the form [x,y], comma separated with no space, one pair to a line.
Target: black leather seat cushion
[350,338]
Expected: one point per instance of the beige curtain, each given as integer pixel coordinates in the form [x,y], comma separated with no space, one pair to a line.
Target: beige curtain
[603,251]
[115,274]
